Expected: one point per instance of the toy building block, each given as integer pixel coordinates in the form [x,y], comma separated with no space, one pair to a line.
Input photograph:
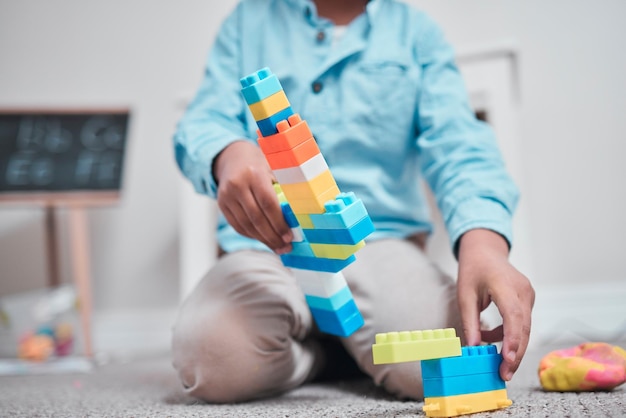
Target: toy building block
[399,347]
[293,157]
[340,251]
[267,126]
[313,204]
[473,360]
[352,235]
[259,85]
[342,212]
[342,322]
[320,284]
[291,133]
[306,171]
[267,107]
[460,385]
[331,303]
[452,406]
[313,187]
[331,265]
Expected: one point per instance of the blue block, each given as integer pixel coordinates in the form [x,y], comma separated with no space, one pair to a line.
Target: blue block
[332,303]
[473,360]
[259,85]
[350,236]
[341,322]
[289,216]
[343,212]
[461,385]
[302,249]
[329,265]
[267,126]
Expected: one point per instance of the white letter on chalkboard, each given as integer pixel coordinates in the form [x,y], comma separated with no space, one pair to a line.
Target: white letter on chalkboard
[18,169]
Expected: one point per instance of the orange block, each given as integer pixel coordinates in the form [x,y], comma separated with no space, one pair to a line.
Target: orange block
[291,133]
[293,157]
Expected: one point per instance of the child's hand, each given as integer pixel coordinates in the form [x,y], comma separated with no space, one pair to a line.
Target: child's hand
[485,276]
[246,197]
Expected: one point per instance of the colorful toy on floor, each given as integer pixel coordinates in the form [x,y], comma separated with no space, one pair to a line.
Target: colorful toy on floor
[586,367]
[46,342]
[328,226]
[457,380]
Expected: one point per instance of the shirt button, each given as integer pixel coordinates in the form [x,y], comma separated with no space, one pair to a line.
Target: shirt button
[320,36]
[317,87]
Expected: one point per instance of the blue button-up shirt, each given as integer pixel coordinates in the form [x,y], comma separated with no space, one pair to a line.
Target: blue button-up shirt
[385,103]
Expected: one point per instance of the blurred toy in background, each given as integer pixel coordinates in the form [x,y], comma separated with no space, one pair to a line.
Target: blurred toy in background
[586,367]
[46,342]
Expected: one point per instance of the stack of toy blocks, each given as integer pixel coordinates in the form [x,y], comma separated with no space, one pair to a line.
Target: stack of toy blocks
[457,380]
[328,226]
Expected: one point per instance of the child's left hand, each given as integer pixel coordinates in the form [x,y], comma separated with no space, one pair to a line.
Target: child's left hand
[485,276]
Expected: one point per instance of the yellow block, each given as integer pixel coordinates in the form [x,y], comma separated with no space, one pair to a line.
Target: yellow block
[314,203]
[279,193]
[400,347]
[308,189]
[339,251]
[304,220]
[452,406]
[269,106]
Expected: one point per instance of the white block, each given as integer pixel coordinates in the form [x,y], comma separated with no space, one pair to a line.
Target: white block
[305,172]
[319,283]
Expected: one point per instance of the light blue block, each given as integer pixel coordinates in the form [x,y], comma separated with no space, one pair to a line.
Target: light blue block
[302,249]
[349,236]
[462,385]
[342,322]
[343,212]
[332,303]
[473,360]
[289,216]
[259,85]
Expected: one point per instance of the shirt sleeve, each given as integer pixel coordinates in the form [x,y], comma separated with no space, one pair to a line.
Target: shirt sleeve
[216,116]
[459,155]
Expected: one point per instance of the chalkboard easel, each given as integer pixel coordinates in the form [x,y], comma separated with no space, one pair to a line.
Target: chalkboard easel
[69,159]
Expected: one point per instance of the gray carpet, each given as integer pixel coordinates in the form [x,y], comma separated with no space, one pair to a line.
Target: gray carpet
[148,388]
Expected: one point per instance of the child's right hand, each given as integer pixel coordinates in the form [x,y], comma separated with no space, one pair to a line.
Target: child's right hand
[246,197]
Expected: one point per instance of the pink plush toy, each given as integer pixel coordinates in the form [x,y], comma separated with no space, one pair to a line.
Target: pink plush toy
[586,367]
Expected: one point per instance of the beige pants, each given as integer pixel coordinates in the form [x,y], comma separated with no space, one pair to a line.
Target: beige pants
[246,331]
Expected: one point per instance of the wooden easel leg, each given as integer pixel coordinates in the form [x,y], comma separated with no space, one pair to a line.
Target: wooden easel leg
[52,251]
[79,243]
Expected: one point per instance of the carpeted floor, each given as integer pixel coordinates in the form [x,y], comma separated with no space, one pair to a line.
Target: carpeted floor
[148,388]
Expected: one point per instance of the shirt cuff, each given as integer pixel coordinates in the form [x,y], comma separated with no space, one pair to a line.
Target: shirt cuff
[479,213]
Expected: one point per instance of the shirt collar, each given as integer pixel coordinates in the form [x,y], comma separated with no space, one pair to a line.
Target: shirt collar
[308,7]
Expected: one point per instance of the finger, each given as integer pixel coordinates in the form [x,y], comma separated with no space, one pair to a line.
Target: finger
[470,314]
[267,201]
[516,330]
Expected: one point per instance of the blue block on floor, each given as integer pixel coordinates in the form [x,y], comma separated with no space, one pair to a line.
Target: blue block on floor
[350,236]
[267,126]
[332,303]
[473,360]
[330,265]
[342,322]
[462,385]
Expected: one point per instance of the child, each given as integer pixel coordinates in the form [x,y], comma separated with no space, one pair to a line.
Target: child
[377,83]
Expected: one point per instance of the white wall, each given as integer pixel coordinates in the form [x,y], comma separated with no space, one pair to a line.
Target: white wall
[149,55]
[142,54]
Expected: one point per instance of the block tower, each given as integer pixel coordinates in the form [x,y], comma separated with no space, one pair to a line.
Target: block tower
[328,226]
[457,380]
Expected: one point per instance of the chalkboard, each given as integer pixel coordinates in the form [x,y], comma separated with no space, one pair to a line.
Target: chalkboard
[60,152]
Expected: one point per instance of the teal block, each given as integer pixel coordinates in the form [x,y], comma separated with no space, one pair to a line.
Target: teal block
[332,303]
[267,126]
[330,265]
[301,248]
[473,360]
[462,385]
[341,322]
[343,212]
[259,85]
[350,236]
